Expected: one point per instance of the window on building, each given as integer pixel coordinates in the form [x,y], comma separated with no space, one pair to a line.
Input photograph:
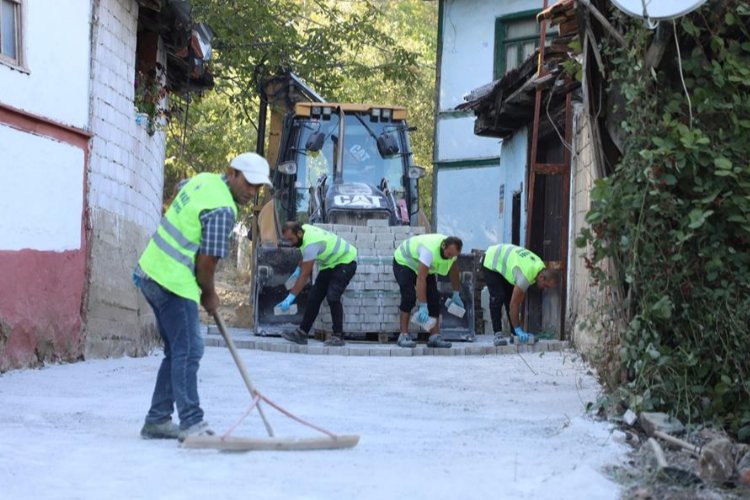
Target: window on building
[10,31]
[516,38]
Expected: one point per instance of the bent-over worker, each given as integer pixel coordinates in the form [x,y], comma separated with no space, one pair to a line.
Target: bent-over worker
[509,271]
[337,261]
[416,262]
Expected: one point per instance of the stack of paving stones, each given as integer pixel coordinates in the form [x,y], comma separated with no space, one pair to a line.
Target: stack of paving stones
[371,300]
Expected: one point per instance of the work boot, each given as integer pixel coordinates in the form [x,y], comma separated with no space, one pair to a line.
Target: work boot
[500,340]
[335,341]
[405,340]
[162,430]
[436,340]
[199,429]
[298,336]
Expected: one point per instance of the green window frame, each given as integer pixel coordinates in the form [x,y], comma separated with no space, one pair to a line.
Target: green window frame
[506,39]
[10,32]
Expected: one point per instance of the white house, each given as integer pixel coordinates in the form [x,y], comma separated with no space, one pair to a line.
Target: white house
[81,187]
[475,197]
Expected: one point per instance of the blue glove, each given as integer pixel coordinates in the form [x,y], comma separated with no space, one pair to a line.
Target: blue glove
[523,337]
[284,304]
[456,298]
[422,314]
[296,273]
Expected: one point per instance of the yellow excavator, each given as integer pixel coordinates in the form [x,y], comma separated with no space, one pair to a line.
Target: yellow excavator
[349,169]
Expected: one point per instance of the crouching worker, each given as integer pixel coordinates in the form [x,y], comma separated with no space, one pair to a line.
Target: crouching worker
[337,262]
[416,262]
[176,272]
[509,271]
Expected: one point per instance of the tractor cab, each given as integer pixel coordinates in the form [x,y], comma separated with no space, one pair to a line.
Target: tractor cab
[345,164]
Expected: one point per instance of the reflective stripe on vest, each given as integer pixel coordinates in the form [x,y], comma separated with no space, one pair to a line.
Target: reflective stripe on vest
[328,258]
[503,258]
[407,254]
[169,257]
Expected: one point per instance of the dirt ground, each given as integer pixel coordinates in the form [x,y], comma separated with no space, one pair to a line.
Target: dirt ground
[233,288]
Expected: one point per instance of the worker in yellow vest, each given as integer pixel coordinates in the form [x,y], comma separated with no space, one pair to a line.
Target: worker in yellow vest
[509,271]
[337,261]
[416,264]
[176,272]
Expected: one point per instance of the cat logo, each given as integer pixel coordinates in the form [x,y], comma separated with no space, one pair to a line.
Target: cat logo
[357,200]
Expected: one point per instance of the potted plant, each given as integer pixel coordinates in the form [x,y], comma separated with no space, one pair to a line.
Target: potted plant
[150,92]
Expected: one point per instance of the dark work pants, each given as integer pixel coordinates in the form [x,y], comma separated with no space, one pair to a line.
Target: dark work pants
[407,283]
[501,292]
[330,285]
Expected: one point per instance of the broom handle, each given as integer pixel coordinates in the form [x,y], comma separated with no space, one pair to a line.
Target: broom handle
[241,367]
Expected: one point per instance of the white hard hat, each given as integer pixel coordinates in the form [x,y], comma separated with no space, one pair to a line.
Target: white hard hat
[253,166]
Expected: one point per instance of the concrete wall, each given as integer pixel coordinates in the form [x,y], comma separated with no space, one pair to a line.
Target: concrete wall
[44,147]
[125,188]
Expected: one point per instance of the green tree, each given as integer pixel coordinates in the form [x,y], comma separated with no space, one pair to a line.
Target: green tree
[356,51]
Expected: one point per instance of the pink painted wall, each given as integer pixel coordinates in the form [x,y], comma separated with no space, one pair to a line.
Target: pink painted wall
[41,291]
[40,307]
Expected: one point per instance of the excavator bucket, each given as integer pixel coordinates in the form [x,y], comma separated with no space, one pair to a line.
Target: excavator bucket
[453,327]
[273,267]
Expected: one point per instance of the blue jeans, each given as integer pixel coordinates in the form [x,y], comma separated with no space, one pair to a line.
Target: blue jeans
[177,380]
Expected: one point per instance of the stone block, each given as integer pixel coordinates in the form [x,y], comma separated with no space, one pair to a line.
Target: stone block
[402,352]
[377,223]
[655,421]
[384,237]
[505,349]
[716,461]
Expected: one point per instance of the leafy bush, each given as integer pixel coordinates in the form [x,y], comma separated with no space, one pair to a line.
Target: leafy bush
[674,217]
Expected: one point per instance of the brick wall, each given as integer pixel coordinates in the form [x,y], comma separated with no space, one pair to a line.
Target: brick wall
[125,187]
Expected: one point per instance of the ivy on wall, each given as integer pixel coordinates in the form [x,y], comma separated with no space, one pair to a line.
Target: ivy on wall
[674,218]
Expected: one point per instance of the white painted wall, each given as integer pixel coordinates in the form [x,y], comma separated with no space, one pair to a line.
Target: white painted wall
[56,50]
[513,177]
[467,62]
[469,205]
[127,165]
[456,140]
[41,192]
[469,44]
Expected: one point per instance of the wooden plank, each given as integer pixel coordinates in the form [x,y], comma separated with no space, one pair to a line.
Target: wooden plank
[549,169]
[232,443]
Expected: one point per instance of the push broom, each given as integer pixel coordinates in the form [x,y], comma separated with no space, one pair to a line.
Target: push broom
[231,443]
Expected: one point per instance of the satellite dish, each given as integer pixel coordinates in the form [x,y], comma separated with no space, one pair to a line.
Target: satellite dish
[657,10]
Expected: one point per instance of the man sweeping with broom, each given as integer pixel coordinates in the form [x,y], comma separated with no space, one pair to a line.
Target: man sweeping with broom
[176,272]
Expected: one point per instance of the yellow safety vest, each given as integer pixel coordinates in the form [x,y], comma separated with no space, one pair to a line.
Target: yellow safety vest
[407,254]
[503,258]
[169,258]
[337,249]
